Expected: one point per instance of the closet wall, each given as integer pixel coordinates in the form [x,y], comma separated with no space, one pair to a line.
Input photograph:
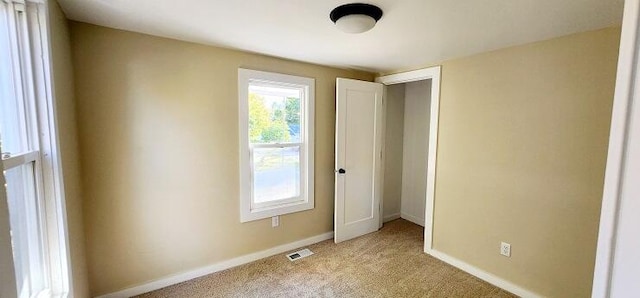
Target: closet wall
[393,139]
[415,150]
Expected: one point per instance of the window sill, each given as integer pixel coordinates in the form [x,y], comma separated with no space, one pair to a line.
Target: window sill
[266,212]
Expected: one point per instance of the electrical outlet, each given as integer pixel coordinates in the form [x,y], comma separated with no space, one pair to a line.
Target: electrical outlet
[275,221]
[505,249]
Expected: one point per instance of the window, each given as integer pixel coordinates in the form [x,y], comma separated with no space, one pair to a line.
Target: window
[276,144]
[30,164]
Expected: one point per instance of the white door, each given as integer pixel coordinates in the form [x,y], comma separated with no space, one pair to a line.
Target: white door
[358,158]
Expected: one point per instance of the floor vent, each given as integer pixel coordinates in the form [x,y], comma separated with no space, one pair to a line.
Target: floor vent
[299,254]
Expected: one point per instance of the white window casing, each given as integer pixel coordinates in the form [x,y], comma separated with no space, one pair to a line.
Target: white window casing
[250,209]
[26,38]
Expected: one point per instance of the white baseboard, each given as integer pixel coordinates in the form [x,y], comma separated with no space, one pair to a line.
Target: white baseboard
[184,276]
[413,219]
[481,274]
[391,217]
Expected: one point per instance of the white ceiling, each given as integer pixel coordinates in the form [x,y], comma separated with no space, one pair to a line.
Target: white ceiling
[411,33]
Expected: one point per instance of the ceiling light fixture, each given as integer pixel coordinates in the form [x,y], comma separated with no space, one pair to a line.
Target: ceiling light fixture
[355,17]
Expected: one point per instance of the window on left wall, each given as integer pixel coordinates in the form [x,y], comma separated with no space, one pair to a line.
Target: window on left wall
[276,143]
[30,157]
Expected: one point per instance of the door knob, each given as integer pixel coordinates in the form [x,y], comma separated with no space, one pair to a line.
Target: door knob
[341,171]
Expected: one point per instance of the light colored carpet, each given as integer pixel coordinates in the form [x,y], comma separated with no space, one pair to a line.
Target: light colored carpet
[387,263]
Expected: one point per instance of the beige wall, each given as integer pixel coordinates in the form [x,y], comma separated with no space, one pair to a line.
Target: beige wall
[158,131]
[66,119]
[393,140]
[521,158]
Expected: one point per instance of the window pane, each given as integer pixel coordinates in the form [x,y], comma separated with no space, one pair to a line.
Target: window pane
[274,114]
[276,174]
[12,125]
[25,229]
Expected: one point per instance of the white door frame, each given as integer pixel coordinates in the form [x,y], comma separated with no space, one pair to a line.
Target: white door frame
[433,74]
[616,267]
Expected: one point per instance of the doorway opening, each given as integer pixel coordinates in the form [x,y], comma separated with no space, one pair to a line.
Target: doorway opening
[405,150]
[411,109]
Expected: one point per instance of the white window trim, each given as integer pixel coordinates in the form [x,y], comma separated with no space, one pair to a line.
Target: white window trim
[49,159]
[247,211]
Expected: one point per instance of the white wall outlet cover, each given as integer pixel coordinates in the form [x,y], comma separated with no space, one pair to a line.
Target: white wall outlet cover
[275,221]
[505,249]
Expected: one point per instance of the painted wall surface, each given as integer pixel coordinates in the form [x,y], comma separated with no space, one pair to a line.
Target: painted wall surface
[521,157]
[158,127]
[394,123]
[68,141]
[415,150]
